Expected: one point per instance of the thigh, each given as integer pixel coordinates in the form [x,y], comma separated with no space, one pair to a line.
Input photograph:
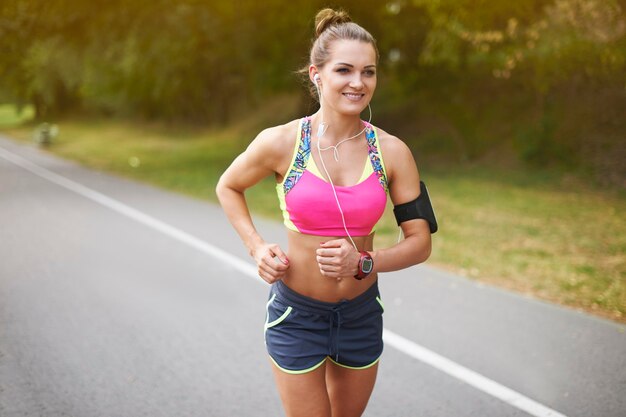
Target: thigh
[349,389]
[303,395]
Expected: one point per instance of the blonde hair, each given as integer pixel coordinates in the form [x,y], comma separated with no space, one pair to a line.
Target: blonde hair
[330,26]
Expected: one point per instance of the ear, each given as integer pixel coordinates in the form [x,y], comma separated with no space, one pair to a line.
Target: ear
[313,71]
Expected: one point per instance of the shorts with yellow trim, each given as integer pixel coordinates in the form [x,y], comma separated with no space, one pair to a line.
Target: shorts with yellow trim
[301,332]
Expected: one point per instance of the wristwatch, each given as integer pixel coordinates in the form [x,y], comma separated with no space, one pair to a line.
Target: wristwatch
[366,264]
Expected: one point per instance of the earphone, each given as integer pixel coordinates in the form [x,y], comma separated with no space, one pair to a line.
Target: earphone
[321,129]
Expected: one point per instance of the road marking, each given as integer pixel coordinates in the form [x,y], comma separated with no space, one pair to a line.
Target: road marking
[134,214]
[468,376]
[392,339]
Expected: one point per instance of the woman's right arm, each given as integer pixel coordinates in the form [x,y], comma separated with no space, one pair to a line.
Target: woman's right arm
[263,157]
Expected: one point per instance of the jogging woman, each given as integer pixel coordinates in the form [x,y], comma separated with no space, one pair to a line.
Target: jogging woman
[334,173]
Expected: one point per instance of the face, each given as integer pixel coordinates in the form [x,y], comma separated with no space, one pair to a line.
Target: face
[348,79]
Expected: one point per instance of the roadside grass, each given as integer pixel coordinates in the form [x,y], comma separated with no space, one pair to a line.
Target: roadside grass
[9,115]
[542,233]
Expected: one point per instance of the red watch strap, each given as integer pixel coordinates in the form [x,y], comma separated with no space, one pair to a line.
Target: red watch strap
[360,273]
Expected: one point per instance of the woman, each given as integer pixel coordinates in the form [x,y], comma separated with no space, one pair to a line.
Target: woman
[324,317]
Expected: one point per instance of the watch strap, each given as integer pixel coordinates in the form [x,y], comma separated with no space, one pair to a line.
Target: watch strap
[365,256]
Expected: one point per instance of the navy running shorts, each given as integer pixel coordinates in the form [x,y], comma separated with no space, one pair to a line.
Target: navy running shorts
[301,333]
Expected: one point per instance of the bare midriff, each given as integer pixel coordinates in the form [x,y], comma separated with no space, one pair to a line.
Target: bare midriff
[304,276]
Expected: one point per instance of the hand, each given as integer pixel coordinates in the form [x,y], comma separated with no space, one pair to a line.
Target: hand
[338,259]
[271,261]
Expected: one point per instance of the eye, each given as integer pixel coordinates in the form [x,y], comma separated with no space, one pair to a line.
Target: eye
[343,70]
[370,73]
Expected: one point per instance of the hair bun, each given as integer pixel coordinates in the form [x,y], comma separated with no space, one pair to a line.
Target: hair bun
[328,17]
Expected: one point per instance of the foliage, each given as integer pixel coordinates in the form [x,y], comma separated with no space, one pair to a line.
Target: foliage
[209,62]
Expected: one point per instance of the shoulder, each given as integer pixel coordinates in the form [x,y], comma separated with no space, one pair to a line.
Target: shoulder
[400,167]
[275,138]
[275,143]
[402,174]
[273,147]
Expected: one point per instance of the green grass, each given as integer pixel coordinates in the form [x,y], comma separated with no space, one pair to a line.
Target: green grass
[9,115]
[553,237]
[543,233]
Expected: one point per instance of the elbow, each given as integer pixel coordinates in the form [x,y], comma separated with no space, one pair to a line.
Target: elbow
[424,251]
[428,249]
[226,193]
[220,190]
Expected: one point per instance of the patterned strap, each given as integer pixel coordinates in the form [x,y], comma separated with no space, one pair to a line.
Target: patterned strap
[302,156]
[375,156]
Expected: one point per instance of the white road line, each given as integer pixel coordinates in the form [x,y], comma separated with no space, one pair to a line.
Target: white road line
[468,376]
[235,262]
[392,339]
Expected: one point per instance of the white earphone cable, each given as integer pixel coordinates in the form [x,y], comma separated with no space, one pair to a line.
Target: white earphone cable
[320,132]
[332,186]
[334,147]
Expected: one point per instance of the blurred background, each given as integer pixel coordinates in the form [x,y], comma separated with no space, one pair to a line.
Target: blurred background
[541,80]
[515,112]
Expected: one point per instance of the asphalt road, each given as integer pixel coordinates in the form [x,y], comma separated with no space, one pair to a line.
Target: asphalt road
[120,299]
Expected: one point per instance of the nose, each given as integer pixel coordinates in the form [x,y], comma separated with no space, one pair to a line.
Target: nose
[356,82]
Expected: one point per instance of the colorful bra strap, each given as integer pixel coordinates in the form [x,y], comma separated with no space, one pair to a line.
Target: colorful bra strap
[302,156]
[375,156]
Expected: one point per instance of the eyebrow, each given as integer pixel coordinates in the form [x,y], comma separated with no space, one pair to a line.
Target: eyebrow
[352,66]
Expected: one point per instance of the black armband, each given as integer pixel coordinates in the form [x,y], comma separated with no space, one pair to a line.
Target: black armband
[420,208]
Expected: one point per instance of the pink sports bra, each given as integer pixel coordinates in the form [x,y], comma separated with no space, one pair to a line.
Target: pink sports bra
[307,200]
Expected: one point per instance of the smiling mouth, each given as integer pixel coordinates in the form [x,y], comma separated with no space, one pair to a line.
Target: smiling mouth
[353,96]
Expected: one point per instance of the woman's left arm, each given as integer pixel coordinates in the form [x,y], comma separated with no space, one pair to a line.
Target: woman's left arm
[338,258]
[404,185]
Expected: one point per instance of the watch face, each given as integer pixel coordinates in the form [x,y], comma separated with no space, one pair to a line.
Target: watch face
[367,265]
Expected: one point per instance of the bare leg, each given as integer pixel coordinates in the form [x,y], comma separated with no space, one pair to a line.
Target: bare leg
[349,389]
[303,395]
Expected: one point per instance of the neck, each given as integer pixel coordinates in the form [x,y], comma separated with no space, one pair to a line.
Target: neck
[338,127]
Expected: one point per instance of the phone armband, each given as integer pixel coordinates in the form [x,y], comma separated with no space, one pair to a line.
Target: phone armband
[420,208]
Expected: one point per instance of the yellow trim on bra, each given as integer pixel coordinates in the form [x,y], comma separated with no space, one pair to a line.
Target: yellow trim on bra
[294,154]
[367,171]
